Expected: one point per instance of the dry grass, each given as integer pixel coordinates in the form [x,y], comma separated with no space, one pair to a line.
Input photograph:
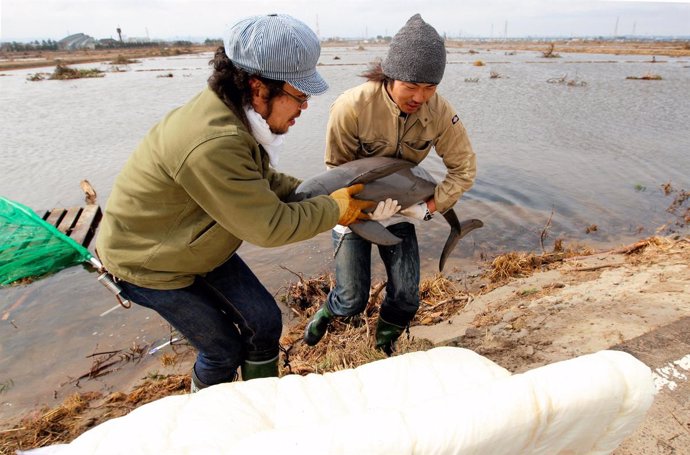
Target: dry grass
[349,343]
[82,411]
[520,264]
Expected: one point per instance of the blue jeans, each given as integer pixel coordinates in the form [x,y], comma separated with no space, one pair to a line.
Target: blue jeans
[227,315]
[353,275]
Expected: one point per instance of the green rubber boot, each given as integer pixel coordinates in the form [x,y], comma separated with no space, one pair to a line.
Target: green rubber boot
[318,325]
[386,334]
[259,369]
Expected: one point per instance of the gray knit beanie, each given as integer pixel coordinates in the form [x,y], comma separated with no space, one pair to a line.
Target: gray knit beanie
[416,54]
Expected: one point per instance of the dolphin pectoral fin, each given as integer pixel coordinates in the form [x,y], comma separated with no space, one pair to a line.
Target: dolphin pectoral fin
[457,231]
[375,233]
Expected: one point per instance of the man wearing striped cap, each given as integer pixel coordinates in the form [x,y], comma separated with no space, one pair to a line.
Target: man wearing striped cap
[200,183]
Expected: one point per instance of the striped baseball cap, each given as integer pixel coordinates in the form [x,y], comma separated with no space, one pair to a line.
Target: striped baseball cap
[278,47]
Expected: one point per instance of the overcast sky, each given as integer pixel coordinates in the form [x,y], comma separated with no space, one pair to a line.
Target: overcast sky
[26,20]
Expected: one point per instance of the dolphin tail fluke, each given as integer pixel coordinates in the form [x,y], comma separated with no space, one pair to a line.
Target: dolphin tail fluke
[457,231]
[375,233]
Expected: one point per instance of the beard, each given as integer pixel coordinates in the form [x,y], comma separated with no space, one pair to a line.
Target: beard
[274,129]
[279,130]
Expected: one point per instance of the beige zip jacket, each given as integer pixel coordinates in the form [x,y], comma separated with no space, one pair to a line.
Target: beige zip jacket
[364,121]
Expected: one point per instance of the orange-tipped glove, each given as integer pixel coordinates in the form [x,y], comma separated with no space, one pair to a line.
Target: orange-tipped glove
[351,208]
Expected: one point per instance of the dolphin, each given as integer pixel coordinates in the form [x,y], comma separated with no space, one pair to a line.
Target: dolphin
[385,177]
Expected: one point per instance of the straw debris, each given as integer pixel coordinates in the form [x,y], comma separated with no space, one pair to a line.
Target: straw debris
[350,342]
[63,72]
[646,77]
[122,60]
[81,411]
[520,264]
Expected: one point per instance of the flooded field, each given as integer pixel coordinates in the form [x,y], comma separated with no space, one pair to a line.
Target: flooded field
[591,155]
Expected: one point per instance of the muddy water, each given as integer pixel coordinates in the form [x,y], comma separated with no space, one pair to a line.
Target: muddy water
[585,155]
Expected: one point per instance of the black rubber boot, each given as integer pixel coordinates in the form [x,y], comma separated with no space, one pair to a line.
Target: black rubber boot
[253,369]
[386,334]
[316,328]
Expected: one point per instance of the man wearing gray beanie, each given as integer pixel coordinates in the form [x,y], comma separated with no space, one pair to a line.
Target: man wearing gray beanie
[396,113]
[201,183]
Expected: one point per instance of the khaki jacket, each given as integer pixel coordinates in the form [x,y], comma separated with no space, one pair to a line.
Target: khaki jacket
[194,189]
[364,121]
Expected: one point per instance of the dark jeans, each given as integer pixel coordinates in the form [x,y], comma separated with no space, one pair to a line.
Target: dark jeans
[353,275]
[228,316]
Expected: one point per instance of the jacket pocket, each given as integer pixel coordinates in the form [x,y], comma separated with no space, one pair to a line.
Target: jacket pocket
[210,241]
[420,147]
[374,147]
[211,248]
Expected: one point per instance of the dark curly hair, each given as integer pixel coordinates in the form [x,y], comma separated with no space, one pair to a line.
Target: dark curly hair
[231,84]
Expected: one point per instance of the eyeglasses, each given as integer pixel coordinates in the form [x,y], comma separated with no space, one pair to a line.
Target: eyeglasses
[301,100]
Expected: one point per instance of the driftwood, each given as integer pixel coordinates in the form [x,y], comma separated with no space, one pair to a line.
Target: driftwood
[89,192]
[629,249]
[596,267]
[549,53]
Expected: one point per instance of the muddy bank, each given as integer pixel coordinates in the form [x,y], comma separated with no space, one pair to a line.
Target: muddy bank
[671,48]
[546,308]
[38,59]
[635,298]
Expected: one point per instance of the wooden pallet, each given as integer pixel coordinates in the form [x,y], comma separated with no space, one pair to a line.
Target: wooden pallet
[79,223]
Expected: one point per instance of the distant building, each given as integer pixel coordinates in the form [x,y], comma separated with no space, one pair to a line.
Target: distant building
[138,39]
[108,42]
[77,41]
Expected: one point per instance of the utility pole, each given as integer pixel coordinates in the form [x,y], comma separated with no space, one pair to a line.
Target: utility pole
[318,32]
[615,29]
[119,34]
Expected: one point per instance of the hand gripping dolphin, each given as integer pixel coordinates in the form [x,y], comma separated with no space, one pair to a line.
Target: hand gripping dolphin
[385,178]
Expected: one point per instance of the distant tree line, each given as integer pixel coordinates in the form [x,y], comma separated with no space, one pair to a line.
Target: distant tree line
[113,44]
[44,45]
[51,45]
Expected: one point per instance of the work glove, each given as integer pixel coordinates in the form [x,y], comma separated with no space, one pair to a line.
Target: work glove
[384,210]
[418,211]
[351,208]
